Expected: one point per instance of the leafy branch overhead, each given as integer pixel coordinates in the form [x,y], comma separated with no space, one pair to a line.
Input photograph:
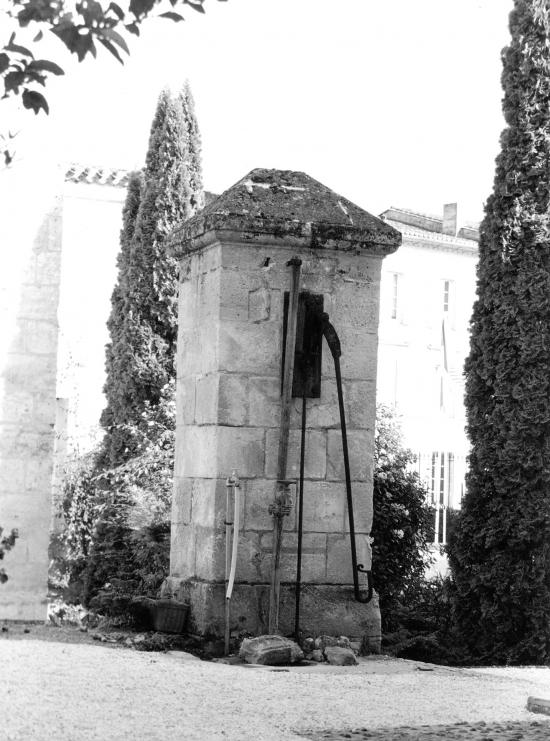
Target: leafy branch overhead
[80,27]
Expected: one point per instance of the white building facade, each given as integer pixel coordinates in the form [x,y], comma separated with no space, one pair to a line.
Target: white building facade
[427,294]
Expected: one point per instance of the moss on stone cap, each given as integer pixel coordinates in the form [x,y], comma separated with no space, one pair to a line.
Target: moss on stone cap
[287,206]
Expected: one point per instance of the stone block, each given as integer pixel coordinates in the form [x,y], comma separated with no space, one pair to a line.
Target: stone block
[208,258]
[315,457]
[197,352]
[39,302]
[232,399]
[264,401]
[323,609]
[208,297]
[321,413]
[26,444]
[360,447]
[356,305]
[183,551]
[186,399]
[245,347]
[271,650]
[181,501]
[313,557]
[361,492]
[209,498]
[196,452]
[209,553]
[32,372]
[252,563]
[240,449]
[359,355]
[339,656]
[44,408]
[339,566]
[206,399]
[234,293]
[259,304]
[258,495]
[187,301]
[266,263]
[17,405]
[360,413]
[37,336]
[324,507]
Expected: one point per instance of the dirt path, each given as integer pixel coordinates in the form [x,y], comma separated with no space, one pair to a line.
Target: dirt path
[86,691]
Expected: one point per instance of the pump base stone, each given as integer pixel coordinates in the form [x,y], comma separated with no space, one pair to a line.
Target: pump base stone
[324,609]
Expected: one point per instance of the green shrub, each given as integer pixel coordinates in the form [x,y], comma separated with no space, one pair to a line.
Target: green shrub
[117,521]
[401,521]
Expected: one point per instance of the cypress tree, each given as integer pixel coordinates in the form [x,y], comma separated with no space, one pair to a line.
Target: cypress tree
[500,555]
[194,147]
[143,323]
[118,350]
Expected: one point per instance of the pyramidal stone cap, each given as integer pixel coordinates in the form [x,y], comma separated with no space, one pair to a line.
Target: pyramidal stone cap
[287,207]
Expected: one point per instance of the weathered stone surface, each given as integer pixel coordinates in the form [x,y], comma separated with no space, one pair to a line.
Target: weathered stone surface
[538,705]
[339,656]
[315,464]
[359,446]
[229,366]
[271,650]
[322,642]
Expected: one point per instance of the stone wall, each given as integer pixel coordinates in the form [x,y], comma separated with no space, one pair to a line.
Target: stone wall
[229,370]
[57,271]
[29,292]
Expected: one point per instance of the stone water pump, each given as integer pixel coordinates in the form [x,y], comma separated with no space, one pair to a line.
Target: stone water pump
[272,265]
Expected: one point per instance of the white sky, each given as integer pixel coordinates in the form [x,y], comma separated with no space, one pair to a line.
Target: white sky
[388,102]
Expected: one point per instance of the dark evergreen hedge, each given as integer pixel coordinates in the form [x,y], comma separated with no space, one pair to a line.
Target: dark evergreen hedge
[500,554]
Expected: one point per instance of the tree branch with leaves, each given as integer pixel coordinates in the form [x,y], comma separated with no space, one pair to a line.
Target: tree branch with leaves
[80,26]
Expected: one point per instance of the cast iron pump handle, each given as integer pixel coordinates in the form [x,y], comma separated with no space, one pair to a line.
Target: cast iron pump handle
[333,342]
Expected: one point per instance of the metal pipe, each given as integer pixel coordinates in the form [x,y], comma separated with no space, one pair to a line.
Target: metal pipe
[300,521]
[281,505]
[231,528]
[236,528]
[333,342]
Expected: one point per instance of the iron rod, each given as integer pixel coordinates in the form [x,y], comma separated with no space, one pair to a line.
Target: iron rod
[300,520]
[282,484]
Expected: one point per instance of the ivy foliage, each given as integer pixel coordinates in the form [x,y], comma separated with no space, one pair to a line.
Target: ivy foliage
[500,553]
[117,520]
[401,522]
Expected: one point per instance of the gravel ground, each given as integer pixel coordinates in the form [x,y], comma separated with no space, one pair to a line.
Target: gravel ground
[81,691]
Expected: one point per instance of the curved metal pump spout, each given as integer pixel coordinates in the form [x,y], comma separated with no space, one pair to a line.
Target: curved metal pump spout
[335,347]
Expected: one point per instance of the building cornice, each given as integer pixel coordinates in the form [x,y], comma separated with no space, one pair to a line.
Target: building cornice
[96,175]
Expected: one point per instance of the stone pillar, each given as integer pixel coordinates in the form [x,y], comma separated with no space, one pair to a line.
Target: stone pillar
[29,294]
[232,283]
